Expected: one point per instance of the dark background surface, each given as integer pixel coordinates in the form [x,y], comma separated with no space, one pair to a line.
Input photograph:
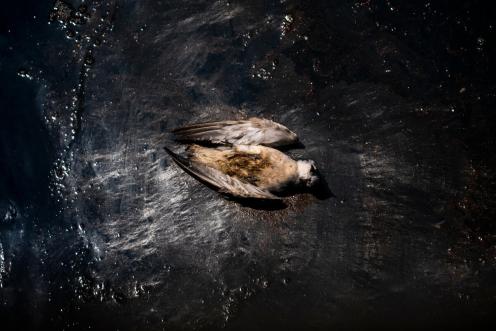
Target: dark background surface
[393,100]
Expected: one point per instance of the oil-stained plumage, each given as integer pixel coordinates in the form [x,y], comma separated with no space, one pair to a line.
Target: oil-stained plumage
[247,171]
[254,131]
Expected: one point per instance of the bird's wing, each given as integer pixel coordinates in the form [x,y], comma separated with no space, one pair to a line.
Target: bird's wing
[253,131]
[222,182]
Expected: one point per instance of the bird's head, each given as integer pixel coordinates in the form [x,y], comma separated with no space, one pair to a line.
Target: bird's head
[308,174]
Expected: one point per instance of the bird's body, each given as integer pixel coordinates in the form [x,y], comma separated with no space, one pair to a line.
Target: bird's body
[253,131]
[243,167]
[264,167]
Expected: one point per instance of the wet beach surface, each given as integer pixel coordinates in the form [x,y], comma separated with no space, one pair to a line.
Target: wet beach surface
[394,102]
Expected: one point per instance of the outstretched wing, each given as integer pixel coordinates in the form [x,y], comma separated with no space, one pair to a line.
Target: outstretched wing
[222,182]
[254,131]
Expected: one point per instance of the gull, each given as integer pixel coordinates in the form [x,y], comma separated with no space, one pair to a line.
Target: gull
[246,165]
[247,171]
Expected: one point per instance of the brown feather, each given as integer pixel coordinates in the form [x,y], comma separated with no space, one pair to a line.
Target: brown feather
[262,166]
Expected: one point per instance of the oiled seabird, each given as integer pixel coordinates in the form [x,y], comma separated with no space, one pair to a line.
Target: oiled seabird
[254,131]
[246,171]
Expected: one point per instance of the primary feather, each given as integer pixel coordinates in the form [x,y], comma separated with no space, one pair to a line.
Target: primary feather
[254,131]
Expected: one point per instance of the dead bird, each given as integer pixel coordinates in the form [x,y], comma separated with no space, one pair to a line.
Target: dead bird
[247,171]
[253,131]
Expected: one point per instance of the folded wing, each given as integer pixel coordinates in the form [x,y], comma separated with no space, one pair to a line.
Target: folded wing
[254,131]
[222,182]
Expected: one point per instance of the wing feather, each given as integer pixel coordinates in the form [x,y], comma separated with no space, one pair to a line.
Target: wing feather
[253,131]
[222,182]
